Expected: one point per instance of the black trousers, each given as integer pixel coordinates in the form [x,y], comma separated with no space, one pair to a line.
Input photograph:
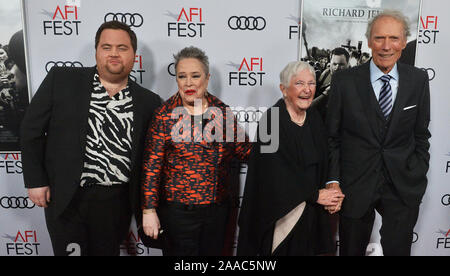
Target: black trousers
[398,221]
[193,230]
[94,224]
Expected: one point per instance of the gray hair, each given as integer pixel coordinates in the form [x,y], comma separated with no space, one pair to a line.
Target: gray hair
[192,52]
[397,15]
[292,68]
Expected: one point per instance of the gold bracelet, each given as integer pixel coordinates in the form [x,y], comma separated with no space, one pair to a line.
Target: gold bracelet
[149,211]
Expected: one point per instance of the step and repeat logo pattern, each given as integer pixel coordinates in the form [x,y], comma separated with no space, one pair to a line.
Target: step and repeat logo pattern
[247,48]
[248,44]
[63,21]
[433,40]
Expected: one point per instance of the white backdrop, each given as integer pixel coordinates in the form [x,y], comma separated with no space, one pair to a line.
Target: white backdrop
[433,225]
[62,34]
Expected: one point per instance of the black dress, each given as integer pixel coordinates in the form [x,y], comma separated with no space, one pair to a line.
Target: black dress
[278,182]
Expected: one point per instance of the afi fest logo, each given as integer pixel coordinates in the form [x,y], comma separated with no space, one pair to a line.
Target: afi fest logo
[11,163]
[189,23]
[249,72]
[444,241]
[294,29]
[24,243]
[429,30]
[133,246]
[137,74]
[64,21]
[447,170]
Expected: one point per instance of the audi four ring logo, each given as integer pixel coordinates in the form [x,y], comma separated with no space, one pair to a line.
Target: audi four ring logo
[431,73]
[131,19]
[50,64]
[446,200]
[16,202]
[171,69]
[248,116]
[250,23]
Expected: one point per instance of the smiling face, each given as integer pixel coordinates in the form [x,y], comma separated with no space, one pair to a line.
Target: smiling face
[300,92]
[115,55]
[387,41]
[192,80]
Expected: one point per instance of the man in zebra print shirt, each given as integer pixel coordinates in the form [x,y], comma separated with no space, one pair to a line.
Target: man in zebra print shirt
[82,141]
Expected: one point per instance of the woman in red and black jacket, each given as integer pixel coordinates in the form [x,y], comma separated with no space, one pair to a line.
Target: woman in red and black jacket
[188,153]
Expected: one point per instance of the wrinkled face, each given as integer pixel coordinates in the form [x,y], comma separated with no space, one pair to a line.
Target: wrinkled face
[338,63]
[115,55]
[192,80]
[3,55]
[387,42]
[300,92]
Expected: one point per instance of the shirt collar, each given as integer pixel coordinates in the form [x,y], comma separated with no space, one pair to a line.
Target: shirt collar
[376,73]
[99,88]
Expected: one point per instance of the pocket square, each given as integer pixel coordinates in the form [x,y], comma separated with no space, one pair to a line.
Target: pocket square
[409,107]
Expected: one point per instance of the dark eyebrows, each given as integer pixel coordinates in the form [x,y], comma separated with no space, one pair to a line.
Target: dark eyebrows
[109,45]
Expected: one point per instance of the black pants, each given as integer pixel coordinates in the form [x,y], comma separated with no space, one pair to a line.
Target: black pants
[398,221]
[193,230]
[94,224]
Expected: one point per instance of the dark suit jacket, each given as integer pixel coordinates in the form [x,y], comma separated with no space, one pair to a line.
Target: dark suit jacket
[54,131]
[360,146]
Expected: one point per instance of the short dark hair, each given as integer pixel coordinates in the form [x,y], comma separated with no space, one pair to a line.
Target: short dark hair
[192,52]
[117,25]
[339,52]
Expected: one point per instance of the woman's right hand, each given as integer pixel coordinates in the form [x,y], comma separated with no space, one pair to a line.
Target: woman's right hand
[150,224]
[330,197]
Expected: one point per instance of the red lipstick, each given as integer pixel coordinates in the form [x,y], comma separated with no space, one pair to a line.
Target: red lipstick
[190,92]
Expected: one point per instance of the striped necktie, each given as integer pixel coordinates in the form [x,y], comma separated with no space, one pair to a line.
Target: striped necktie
[385,99]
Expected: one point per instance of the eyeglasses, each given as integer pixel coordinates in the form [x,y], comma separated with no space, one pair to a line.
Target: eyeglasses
[311,85]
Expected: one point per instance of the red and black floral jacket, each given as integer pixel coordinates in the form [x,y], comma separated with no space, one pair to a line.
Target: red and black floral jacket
[189,163]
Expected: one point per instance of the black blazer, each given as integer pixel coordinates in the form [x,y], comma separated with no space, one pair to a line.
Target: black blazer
[54,131]
[360,147]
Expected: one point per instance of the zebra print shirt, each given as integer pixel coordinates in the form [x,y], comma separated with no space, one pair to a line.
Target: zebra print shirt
[108,150]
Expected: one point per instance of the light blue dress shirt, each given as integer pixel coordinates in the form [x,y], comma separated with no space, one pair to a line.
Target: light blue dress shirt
[376,74]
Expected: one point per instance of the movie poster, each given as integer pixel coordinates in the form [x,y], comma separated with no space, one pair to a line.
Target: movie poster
[13,81]
[333,34]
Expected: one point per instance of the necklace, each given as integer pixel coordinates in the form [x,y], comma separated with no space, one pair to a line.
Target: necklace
[191,109]
[302,122]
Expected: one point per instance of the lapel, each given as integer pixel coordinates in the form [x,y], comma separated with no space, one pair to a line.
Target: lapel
[405,84]
[86,79]
[365,91]
[138,116]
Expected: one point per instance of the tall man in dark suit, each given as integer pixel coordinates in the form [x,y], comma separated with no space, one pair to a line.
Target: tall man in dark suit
[377,119]
[82,140]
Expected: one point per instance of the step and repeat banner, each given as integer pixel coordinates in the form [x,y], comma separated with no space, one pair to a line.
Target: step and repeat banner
[248,44]
[433,227]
